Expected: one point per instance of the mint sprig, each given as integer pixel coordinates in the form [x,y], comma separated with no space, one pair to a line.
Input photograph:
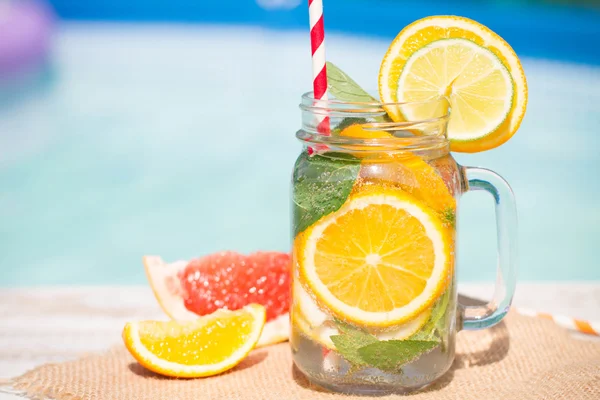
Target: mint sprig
[361,348]
[349,345]
[350,341]
[436,324]
[345,88]
[321,184]
[391,355]
[449,216]
[437,319]
[345,123]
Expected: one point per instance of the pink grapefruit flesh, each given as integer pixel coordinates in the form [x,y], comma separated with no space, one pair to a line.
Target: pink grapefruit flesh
[232,280]
[186,290]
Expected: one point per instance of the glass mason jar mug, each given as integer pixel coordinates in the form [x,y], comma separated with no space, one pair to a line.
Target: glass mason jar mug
[374,304]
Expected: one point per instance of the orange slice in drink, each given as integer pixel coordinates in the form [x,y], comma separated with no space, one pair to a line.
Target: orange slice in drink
[413,175]
[405,170]
[381,260]
[359,131]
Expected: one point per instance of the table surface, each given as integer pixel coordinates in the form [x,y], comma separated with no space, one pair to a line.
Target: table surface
[53,324]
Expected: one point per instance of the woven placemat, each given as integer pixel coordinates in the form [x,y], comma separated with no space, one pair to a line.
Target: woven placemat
[521,358]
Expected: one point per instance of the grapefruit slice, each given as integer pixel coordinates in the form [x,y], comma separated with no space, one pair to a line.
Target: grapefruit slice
[186,290]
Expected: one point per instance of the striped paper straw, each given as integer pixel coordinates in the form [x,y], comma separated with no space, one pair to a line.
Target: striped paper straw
[573,324]
[317,44]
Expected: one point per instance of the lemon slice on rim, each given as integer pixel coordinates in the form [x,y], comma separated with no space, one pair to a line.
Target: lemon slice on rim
[381,260]
[206,346]
[465,61]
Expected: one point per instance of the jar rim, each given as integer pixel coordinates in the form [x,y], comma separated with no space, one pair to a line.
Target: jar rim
[430,132]
[360,145]
[339,108]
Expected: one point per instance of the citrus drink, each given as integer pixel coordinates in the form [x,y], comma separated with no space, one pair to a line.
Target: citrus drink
[374,305]
[373,298]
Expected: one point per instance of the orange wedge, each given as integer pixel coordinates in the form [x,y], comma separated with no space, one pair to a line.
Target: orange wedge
[413,175]
[206,346]
[404,170]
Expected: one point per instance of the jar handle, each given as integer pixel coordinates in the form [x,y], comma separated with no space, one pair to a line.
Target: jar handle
[485,316]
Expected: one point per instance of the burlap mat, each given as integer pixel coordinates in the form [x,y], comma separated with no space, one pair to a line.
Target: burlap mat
[521,358]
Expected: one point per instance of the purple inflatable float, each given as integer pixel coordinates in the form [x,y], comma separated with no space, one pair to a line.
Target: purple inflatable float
[25,31]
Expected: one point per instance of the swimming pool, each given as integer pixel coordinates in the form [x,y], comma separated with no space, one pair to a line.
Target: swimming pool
[179,141]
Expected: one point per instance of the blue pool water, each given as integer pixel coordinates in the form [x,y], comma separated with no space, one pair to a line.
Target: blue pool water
[179,141]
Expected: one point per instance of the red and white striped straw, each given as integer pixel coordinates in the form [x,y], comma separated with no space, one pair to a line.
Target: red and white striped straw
[317,44]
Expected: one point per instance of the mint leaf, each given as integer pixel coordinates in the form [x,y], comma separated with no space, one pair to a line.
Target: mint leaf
[345,88]
[438,317]
[449,216]
[424,334]
[348,346]
[439,311]
[350,341]
[363,349]
[436,322]
[346,122]
[391,355]
[321,184]
[353,331]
